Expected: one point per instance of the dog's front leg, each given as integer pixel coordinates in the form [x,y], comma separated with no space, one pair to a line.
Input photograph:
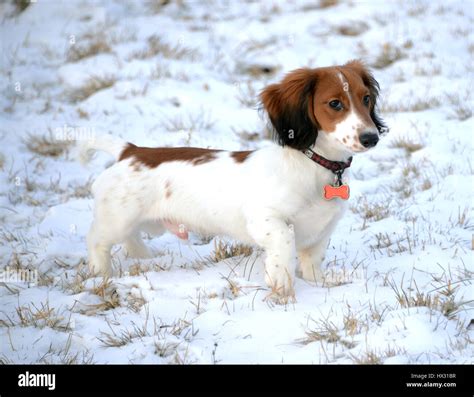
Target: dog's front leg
[311,259]
[278,239]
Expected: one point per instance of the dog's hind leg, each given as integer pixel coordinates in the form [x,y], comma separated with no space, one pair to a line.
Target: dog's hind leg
[99,252]
[136,248]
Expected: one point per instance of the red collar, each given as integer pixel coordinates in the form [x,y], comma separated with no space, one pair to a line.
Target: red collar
[337,167]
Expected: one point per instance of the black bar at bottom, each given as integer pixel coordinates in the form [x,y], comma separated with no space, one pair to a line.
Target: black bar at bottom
[414,379]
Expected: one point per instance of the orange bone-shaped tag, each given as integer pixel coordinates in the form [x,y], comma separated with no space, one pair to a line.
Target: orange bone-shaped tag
[331,192]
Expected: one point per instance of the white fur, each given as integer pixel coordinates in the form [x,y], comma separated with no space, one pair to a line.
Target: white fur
[106,143]
[273,199]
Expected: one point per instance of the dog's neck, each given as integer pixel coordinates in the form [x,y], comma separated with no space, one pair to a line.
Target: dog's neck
[328,150]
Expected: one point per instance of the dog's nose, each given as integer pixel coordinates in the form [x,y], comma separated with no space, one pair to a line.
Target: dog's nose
[368,139]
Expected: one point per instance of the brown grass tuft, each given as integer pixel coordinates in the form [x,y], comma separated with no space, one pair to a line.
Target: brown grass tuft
[388,55]
[46,145]
[92,86]
[461,106]
[40,316]
[85,49]
[352,28]
[406,143]
[371,211]
[224,250]
[156,46]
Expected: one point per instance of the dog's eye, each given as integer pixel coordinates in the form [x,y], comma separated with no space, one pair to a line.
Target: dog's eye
[366,100]
[336,105]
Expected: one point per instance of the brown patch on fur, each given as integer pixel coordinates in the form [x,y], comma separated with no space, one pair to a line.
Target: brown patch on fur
[167,193]
[289,105]
[344,140]
[153,157]
[241,156]
[354,73]
[287,93]
[330,88]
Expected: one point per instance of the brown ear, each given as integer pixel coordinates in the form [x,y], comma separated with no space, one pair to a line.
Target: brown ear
[289,105]
[358,67]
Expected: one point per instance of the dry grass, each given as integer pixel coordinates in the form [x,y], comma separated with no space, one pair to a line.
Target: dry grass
[429,71]
[85,48]
[442,299]
[64,356]
[189,122]
[135,301]
[156,6]
[353,28]
[406,143]
[371,211]
[46,145]
[417,10]
[395,244]
[156,46]
[80,190]
[411,180]
[166,342]
[160,71]
[107,292]
[388,55]
[325,331]
[92,86]
[247,136]
[40,316]
[321,4]
[124,336]
[374,357]
[461,106]
[247,95]
[462,219]
[353,322]
[140,269]
[256,71]
[76,285]
[224,250]
[416,105]
[21,5]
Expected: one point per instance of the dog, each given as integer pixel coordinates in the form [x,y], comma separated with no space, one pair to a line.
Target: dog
[274,197]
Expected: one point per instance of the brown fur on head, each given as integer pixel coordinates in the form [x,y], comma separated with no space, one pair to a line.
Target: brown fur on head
[298,106]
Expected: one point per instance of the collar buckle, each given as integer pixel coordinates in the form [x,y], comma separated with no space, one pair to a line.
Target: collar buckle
[308,153]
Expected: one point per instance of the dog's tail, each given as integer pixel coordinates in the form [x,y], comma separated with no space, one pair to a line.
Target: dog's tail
[106,143]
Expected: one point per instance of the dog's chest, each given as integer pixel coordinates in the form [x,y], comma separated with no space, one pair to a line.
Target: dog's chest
[317,220]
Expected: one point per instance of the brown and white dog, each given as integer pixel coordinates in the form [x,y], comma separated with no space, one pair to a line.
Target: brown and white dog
[271,197]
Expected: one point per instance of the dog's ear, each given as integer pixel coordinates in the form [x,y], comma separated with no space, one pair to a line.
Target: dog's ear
[289,105]
[373,86]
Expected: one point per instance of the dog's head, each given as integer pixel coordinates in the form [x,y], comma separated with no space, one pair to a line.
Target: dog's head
[338,101]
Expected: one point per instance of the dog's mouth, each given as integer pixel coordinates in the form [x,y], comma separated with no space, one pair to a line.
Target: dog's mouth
[360,149]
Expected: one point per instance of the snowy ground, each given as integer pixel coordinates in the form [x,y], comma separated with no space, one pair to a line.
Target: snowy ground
[188,73]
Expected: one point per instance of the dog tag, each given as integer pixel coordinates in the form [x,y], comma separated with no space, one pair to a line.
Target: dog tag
[331,192]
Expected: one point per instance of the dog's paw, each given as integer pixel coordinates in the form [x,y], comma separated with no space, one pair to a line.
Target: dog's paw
[281,283]
[100,270]
[311,273]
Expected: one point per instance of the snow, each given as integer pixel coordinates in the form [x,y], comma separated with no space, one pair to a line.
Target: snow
[399,266]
